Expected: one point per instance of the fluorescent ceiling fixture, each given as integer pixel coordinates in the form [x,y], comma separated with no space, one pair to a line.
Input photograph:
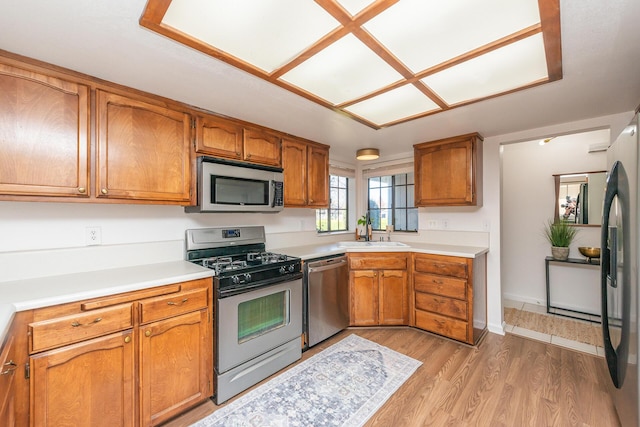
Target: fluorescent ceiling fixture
[345,70]
[354,6]
[513,66]
[406,101]
[355,56]
[425,33]
[267,34]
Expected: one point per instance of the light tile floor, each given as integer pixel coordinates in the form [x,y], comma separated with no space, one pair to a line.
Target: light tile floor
[533,321]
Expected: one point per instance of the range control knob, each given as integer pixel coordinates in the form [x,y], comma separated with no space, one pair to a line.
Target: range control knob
[247,277]
[291,268]
[235,279]
[282,270]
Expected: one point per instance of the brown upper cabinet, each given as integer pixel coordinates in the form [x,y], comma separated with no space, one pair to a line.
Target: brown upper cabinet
[142,150]
[220,137]
[448,172]
[44,134]
[306,174]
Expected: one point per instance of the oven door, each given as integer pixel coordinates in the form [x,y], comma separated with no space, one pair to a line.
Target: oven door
[253,323]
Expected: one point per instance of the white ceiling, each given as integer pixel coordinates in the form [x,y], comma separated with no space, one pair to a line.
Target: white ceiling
[600,55]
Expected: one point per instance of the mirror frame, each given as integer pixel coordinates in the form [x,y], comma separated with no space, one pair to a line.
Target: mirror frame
[556,182]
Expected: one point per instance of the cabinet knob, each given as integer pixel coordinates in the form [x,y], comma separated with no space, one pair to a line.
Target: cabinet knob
[82,190]
[147,333]
[127,339]
[248,156]
[104,191]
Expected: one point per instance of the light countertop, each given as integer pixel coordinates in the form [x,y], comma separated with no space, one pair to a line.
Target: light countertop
[315,251]
[21,295]
[29,294]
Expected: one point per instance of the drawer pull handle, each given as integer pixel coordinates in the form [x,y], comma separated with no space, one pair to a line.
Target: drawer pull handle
[178,303]
[438,282]
[10,367]
[77,324]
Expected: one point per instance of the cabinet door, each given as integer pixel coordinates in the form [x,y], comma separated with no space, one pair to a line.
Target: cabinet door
[364,297]
[294,163]
[448,172]
[318,176]
[261,147]
[86,384]
[142,150]
[393,298]
[7,384]
[44,135]
[218,137]
[175,366]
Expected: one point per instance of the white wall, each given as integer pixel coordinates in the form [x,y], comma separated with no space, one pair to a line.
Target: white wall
[529,202]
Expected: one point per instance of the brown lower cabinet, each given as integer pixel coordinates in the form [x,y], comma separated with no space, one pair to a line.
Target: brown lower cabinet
[133,359]
[8,369]
[378,289]
[449,296]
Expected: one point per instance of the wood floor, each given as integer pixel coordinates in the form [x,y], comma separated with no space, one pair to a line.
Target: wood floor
[505,381]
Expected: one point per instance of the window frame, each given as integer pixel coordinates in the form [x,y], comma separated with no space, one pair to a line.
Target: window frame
[393,209]
[328,211]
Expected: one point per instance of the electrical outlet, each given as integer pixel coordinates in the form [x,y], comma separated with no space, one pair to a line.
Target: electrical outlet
[432,224]
[486,225]
[444,224]
[93,236]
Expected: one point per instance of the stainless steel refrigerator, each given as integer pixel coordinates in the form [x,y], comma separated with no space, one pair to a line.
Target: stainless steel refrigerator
[619,273]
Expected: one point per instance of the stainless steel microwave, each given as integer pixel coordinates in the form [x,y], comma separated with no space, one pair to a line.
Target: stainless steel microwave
[227,186]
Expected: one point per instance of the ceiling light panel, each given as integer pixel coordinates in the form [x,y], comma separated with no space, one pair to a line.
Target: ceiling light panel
[425,33]
[345,70]
[405,101]
[265,33]
[516,65]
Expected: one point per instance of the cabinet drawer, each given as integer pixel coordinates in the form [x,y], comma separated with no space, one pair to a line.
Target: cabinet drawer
[440,285]
[78,327]
[443,266]
[172,305]
[441,325]
[377,262]
[441,305]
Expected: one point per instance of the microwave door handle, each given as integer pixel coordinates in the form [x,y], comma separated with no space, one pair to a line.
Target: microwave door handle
[273,194]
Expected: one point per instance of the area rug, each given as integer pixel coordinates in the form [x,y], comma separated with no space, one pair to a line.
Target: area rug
[342,385]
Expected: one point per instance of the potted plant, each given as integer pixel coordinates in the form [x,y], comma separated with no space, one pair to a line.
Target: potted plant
[560,234]
[361,221]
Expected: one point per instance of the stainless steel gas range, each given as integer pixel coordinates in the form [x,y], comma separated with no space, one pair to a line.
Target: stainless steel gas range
[258,306]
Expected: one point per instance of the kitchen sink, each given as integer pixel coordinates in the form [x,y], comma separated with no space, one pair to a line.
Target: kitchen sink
[370,244]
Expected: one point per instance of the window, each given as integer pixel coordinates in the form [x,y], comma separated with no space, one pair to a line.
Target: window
[336,217]
[391,202]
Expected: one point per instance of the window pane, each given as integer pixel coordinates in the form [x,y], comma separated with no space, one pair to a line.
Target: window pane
[401,179]
[412,215]
[410,178]
[342,199]
[386,195]
[401,197]
[374,182]
[334,198]
[386,181]
[400,222]
[321,220]
[342,220]
[342,181]
[410,196]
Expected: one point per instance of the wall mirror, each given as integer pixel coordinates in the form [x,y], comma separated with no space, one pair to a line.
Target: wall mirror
[579,197]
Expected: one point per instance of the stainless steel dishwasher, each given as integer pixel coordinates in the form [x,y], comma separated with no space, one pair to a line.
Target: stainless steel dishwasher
[326,297]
